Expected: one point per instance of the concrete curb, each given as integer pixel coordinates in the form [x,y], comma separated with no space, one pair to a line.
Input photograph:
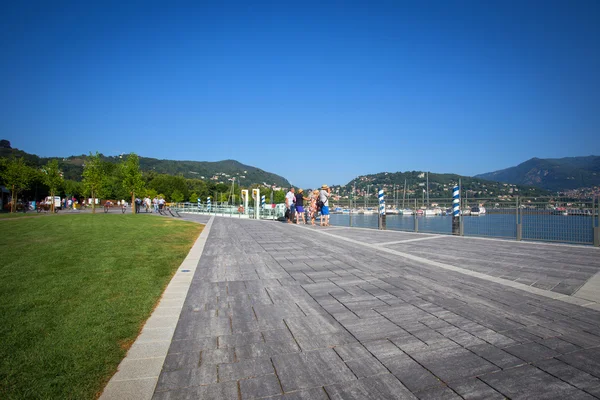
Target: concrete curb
[138,373]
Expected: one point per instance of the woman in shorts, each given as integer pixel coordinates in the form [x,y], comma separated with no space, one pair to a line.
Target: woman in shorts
[300,206]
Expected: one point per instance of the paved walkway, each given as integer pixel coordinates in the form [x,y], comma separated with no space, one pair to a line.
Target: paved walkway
[294,312]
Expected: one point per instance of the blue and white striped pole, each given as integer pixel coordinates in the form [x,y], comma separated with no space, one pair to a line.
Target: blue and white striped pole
[456,210]
[208,204]
[455,201]
[381,219]
[262,201]
[199,202]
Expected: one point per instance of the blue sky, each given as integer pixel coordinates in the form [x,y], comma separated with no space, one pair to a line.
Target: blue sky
[318,92]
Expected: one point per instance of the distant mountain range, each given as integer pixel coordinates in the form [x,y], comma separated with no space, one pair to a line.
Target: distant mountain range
[554,174]
[218,171]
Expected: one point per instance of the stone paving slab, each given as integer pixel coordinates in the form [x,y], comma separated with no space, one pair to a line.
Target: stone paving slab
[283,312]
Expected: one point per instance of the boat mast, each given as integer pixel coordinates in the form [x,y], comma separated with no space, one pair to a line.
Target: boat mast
[427,189]
[404,195]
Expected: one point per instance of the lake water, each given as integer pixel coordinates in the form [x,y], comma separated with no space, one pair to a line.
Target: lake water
[559,228]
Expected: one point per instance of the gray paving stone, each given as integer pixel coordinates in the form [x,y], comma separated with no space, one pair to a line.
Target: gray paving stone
[315,368]
[314,342]
[368,366]
[496,356]
[181,361]
[352,351]
[475,389]
[184,346]
[245,369]
[559,345]
[410,373]
[531,352]
[382,387]
[438,393]
[217,356]
[262,386]
[240,339]
[182,378]
[256,350]
[528,382]
[453,364]
[568,373]
[585,360]
[221,391]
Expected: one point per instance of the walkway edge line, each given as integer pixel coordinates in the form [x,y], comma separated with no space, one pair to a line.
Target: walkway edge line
[137,374]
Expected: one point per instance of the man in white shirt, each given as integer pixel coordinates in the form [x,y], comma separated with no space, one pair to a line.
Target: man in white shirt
[290,198]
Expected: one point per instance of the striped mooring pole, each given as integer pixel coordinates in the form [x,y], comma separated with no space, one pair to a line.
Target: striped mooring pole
[208,204]
[456,210]
[381,219]
[262,201]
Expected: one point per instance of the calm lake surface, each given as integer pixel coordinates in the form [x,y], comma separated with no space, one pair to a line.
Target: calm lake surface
[560,228]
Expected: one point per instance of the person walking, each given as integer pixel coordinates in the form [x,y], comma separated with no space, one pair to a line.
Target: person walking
[300,206]
[324,198]
[290,198]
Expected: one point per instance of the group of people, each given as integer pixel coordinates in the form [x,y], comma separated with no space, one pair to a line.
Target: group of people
[317,200]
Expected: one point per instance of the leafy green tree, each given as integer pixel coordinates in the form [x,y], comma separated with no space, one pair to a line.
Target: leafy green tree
[176,196]
[193,197]
[94,178]
[151,193]
[16,175]
[53,178]
[132,177]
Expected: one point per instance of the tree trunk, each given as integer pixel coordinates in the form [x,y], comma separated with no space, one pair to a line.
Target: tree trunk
[13,203]
[133,202]
[93,203]
[52,202]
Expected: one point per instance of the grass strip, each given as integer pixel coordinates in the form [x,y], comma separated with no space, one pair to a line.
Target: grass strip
[74,293]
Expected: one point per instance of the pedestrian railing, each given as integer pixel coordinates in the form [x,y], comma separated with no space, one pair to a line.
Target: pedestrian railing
[521,218]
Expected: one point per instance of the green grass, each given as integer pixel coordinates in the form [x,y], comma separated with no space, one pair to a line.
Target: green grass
[74,293]
[19,214]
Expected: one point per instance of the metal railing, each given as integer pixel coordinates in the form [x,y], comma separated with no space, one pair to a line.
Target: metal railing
[521,218]
[227,210]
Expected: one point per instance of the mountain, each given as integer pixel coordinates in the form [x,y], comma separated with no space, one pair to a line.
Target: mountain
[440,185]
[218,171]
[554,174]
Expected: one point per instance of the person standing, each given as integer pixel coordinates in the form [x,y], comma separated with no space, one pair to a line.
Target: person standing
[300,206]
[290,198]
[314,196]
[324,198]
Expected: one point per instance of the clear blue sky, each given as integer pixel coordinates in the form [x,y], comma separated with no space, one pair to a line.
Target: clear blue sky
[318,92]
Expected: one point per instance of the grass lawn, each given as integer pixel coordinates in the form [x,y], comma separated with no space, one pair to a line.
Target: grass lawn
[74,293]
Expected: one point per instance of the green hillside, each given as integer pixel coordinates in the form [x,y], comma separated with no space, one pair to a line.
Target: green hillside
[440,185]
[218,171]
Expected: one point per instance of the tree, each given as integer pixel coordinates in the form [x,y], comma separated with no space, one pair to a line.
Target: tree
[16,176]
[132,177]
[193,197]
[52,178]
[177,196]
[94,177]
